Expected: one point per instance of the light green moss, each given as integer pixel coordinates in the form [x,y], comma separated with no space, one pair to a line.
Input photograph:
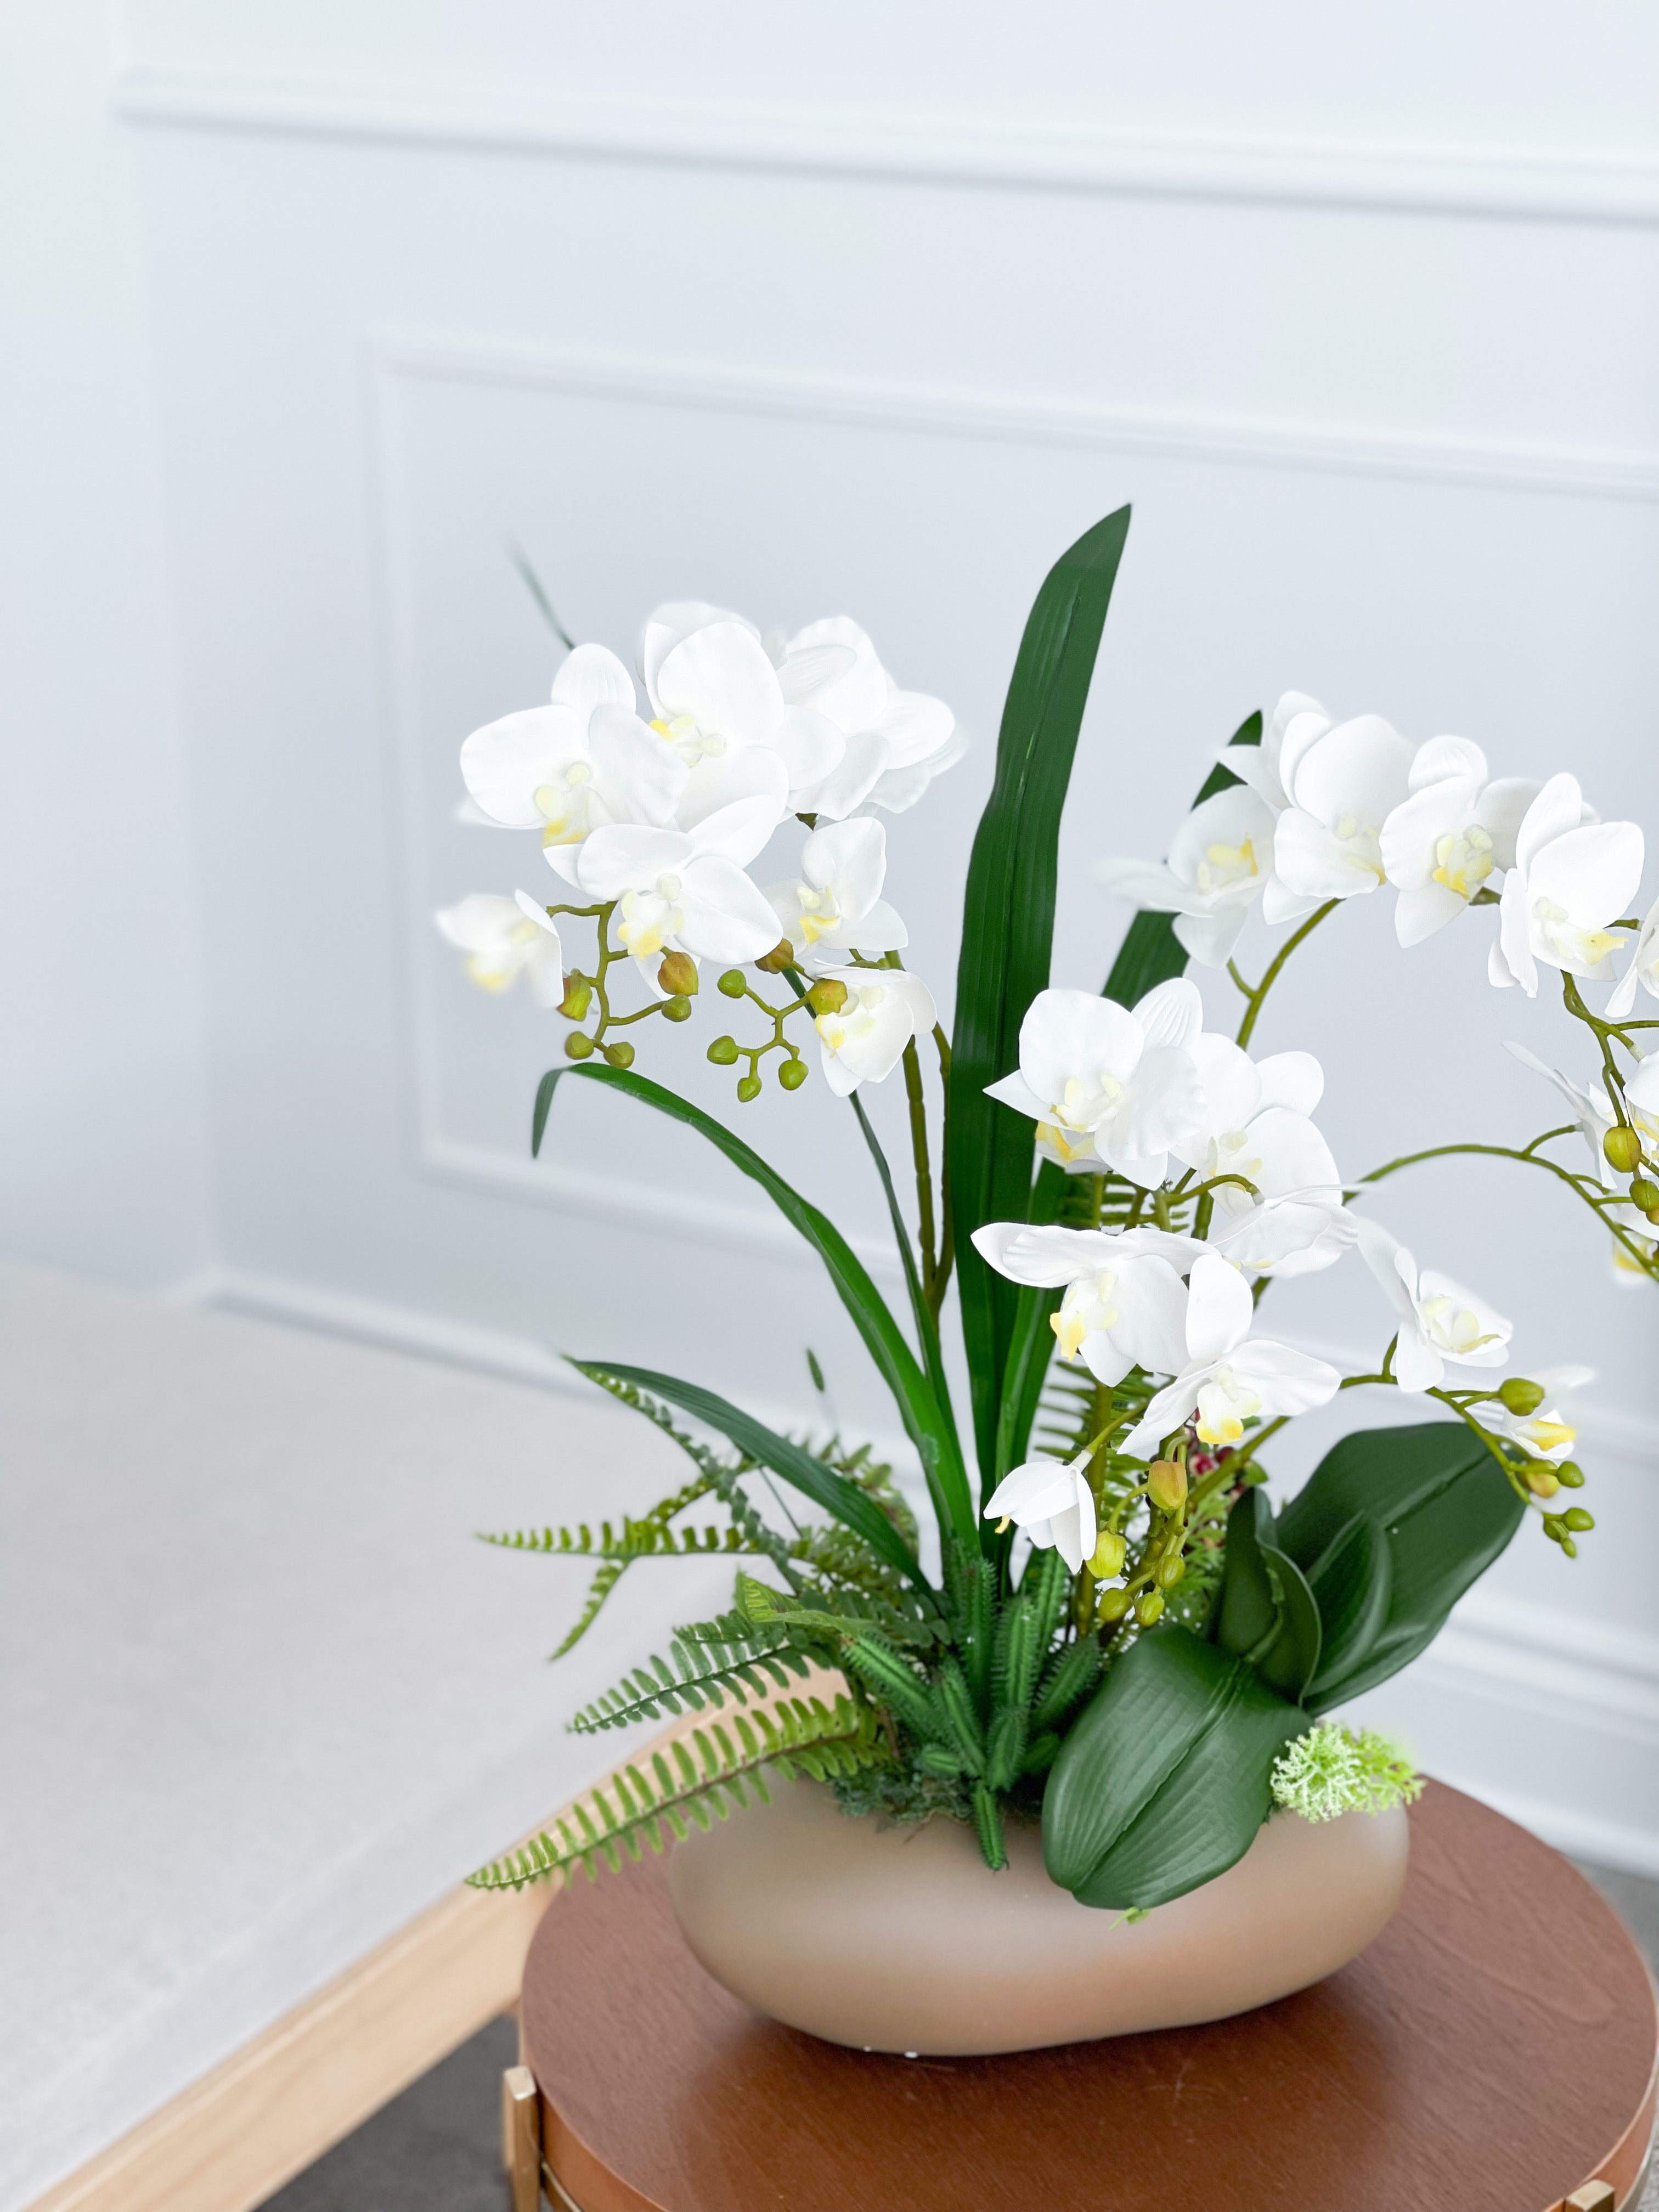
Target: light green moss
[1331,1770]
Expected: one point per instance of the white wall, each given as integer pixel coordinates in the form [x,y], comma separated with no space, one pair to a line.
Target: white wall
[1359,312]
[102,1120]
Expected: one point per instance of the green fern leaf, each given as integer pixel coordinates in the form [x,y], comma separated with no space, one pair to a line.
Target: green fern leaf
[712,1772]
[707,1669]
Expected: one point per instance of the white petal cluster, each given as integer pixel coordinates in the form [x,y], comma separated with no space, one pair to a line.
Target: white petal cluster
[1439,1322]
[1107,1087]
[1052,1504]
[835,906]
[1546,1432]
[1228,1378]
[504,939]
[864,1039]
[1333,811]
[664,806]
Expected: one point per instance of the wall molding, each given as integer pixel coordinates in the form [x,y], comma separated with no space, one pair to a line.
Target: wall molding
[1504,183]
[1573,1678]
[1024,418]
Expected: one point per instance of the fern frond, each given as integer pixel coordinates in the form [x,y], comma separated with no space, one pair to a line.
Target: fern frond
[697,1779]
[708,1668]
[837,1613]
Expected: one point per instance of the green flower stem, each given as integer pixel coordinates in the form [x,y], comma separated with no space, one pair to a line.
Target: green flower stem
[1254,998]
[924,1169]
[777,1042]
[1596,1198]
[1572,997]
[947,1243]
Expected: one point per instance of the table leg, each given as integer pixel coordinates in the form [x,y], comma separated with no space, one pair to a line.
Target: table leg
[521,2138]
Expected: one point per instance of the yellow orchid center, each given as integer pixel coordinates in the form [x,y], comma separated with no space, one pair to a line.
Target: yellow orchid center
[690,740]
[1227,864]
[1453,1327]
[1463,862]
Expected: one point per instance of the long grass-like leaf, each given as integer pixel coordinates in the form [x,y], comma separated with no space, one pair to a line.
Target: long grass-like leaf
[1007,935]
[849,1504]
[926,1421]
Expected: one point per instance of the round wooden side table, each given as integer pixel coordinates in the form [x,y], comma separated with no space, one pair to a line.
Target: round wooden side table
[1493,2051]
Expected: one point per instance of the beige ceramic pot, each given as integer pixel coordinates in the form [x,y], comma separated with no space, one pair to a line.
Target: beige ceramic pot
[902,1939]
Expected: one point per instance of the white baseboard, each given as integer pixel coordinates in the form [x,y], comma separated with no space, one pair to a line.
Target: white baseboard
[1548,1716]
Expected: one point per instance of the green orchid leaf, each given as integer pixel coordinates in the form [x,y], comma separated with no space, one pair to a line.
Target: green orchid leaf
[1265,1611]
[1351,1581]
[1446,1511]
[849,1504]
[926,1421]
[1150,952]
[1163,1783]
[1007,934]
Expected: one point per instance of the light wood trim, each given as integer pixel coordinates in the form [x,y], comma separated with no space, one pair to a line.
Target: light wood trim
[266,2112]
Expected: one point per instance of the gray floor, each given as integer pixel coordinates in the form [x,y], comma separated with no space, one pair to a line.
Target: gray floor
[437,2147]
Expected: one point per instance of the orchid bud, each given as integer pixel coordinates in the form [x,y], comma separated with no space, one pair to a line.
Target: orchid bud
[1522,1397]
[1541,1478]
[578,1045]
[1114,1604]
[732,984]
[828,995]
[1570,1547]
[748,1089]
[1569,1475]
[679,976]
[1148,1606]
[578,997]
[1577,1519]
[1623,1148]
[1646,1193]
[1166,1485]
[1170,1571]
[781,955]
[620,1055]
[676,1010]
[793,1074]
[724,1051]
[1108,1561]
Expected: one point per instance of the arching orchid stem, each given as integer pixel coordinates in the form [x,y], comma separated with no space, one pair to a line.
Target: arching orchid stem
[1597,1201]
[1256,997]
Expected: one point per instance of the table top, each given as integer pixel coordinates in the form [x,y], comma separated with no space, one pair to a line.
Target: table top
[1492,2051]
[262,1700]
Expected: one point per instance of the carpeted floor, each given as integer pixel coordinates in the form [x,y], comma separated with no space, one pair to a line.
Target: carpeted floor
[437,2147]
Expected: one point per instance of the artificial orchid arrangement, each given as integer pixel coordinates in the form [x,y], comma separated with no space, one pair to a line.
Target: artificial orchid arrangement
[1122,1639]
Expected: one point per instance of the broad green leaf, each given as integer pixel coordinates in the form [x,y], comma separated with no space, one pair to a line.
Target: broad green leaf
[927,1423]
[834,1492]
[1150,952]
[1007,934]
[1265,1611]
[1351,1581]
[1163,1782]
[1447,1512]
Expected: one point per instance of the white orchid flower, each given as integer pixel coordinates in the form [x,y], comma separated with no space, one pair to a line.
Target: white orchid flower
[1545,1432]
[1219,862]
[864,1039]
[1457,830]
[1052,1504]
[584,760]
[1571,876]
[681,891]
[717,705]
[1125,1305]
[897,742]
[504,939]
[1228,1378]
[1343,781]
[1438,1321]
[1259,765]
[1257,1124]
[834,905]
[1643,968]
[1108,1087]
